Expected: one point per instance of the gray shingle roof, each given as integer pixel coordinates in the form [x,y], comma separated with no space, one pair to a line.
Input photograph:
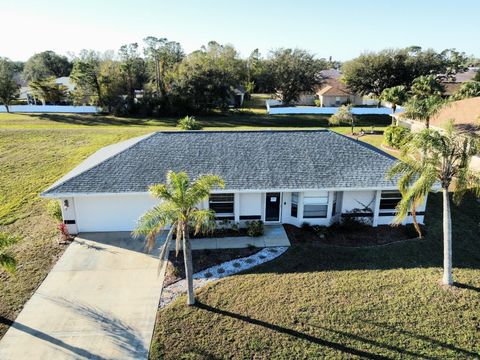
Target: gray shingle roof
[246,160]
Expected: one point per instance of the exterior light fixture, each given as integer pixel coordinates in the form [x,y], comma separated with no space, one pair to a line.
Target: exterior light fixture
[65,204]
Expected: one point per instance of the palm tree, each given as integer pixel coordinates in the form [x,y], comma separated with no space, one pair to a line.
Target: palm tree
[426,86]
[395,95]
[423,109]
[430,157]
[178,209]
[7,261]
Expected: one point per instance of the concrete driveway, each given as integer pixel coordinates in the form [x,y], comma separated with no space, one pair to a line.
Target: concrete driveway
[98,302]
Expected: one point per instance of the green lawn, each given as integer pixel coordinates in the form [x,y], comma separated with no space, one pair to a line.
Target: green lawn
[35,150]
[331,302]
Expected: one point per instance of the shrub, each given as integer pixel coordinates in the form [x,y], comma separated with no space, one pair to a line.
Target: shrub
[317,103]
[306,226]
[189,123]
[343,116]
[352,223]
[64,234]
[255,228]
[54,210]
[395,136]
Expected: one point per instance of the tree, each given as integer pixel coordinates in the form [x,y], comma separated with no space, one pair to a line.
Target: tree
[8,86]
[48,90]
[343,116]
[293,71]
[7,260]
[133,70]
[395,95]
[46,64]
[373,72]
[162,56]
[86,77]
[423,109]
[206,78]
[426,86]
[468,89]
[431,157]
[179,199]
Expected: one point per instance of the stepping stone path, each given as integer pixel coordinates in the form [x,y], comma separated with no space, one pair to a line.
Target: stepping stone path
[214,273]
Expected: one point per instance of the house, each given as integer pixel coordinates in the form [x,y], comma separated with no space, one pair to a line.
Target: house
[333,92]
[292,177]
[451,87]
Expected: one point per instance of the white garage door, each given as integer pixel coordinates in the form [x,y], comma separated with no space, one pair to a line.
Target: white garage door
[111,213]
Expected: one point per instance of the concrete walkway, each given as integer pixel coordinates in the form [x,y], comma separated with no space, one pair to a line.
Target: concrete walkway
[273,236]
[98,302]
[101,298]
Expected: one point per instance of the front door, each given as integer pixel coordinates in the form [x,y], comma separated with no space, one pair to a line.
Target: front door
[272,207]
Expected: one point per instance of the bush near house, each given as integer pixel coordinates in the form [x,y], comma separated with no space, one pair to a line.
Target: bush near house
[394,136]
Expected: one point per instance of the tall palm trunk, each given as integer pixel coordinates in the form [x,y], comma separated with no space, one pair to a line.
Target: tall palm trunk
[187,258]
[447,239]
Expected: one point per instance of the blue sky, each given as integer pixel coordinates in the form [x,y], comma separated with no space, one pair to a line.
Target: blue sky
[341,29]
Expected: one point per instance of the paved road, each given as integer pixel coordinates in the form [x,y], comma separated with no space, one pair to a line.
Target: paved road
[98,302]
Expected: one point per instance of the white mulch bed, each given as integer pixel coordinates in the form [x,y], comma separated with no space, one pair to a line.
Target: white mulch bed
[171,292]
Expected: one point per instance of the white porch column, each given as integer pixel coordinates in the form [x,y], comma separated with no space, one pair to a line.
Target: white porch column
[300,207]
[331,194]
[376,210]
[236,206]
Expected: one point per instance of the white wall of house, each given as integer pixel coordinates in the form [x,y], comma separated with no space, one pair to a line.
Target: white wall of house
[358,200]
[97,213]
[50,109]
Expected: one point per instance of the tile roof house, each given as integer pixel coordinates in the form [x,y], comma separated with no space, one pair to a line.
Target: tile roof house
[333,91]
[275,176]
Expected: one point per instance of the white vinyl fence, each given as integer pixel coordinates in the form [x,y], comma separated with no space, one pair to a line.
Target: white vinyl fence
[50,109]
[272,109]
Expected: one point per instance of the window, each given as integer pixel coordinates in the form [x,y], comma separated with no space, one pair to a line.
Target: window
[222,204]
[315,205]
[294,207]
[389,200]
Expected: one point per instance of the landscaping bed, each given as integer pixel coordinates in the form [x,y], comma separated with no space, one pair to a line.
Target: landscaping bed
[338,235]
[202,259]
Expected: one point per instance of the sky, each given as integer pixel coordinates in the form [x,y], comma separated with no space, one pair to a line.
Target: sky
[340,29]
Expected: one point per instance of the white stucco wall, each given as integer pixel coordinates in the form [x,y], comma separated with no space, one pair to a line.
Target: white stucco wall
[111,213]
[355,199]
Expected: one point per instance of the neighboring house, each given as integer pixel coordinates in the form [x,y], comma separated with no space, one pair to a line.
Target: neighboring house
[293,177]
[238,96]
[465,114]
[452,86]
[332,92]
[335,93]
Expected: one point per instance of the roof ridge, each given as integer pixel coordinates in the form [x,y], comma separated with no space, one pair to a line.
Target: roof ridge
[239,131]
[140,140]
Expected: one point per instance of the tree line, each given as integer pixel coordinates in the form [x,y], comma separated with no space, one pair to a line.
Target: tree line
[159,78]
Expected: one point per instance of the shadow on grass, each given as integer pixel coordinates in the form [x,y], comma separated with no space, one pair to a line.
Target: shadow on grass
[427,339]
[230,120]
[466,287]
[294,333]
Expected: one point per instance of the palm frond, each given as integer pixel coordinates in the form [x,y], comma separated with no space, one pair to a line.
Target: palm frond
[201,188]
[203,221]
[154,221]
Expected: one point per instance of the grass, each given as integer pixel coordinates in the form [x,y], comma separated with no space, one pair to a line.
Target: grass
[36,149]
[332,302]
